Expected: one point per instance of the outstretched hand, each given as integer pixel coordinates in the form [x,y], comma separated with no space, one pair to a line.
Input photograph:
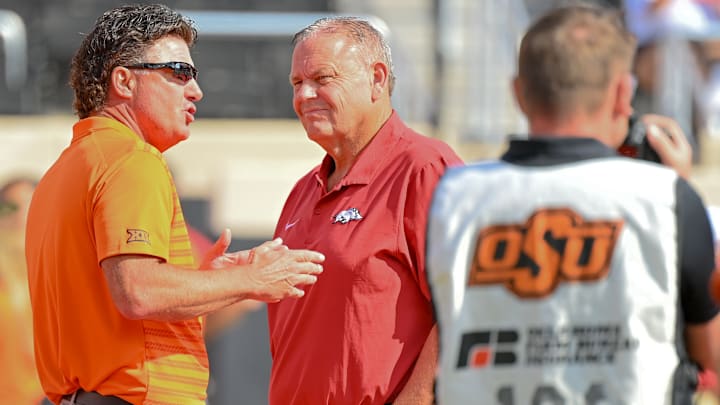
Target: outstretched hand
[272,270]
[217,256]
[275,272]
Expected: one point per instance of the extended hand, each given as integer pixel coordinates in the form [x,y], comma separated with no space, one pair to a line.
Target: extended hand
[276,271]
[218,257]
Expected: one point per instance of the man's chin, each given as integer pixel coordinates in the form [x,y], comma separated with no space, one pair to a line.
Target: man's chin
[316,136]
[316,129]
[174,141]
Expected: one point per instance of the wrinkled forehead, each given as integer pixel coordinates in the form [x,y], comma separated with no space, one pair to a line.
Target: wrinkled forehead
[169,48]
[325,51]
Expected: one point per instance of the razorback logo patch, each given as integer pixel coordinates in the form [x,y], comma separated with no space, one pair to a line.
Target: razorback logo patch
[552,246]
[350,214]
[138,235]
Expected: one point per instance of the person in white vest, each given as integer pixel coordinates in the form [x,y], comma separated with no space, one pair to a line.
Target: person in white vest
[563,272]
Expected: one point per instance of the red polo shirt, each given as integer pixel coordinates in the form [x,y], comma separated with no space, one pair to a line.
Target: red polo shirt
[355,336]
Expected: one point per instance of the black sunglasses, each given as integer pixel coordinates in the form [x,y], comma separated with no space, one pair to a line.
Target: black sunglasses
[181,70]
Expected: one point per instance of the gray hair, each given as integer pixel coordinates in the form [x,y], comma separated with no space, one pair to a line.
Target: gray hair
[361,31]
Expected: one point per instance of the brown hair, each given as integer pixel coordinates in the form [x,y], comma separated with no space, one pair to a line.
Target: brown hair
[361,32]
[120,37]
[568,56]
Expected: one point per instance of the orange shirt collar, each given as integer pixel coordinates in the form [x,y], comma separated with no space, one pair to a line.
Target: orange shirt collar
[87,126]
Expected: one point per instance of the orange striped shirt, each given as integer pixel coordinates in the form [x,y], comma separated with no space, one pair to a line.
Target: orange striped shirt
[108,194]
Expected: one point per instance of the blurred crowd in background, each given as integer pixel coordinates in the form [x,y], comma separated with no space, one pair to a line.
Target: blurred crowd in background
[454,62]
[453,57]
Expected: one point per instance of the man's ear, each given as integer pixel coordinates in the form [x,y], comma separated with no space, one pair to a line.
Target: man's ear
[380,79]
[519,94]
[624,90]
[122,82]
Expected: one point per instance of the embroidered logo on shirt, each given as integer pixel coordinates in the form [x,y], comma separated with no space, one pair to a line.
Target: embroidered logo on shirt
[138,235]
[291,224]
[350,214]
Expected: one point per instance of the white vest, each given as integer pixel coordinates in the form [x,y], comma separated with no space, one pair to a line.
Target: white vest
[555,284]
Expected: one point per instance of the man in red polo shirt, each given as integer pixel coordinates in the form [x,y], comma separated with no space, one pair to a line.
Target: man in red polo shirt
[365,332]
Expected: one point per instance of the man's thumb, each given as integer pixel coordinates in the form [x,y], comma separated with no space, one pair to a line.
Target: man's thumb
[222,243]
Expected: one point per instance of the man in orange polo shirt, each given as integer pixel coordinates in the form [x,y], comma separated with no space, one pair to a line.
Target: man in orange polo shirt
[117,299]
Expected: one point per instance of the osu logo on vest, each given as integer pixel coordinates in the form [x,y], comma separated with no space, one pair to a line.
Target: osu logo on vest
[553,245]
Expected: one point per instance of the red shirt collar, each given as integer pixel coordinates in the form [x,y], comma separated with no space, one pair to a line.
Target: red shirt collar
[370,159]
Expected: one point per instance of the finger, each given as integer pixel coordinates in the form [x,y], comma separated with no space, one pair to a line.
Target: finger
[309,256]
[670,138]
[677,135]
[300,268]
[296,293]
[303,279]
[222,243]
[269,245]
[673,153]
[217,250]
[669,125]
[310,268]
[660,120]
[663,145]
[278,246]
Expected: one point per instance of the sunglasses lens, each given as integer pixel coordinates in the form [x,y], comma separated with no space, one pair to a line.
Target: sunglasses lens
[181,70]
[184,71]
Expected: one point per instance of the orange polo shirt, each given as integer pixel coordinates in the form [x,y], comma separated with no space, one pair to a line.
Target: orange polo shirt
[108,194]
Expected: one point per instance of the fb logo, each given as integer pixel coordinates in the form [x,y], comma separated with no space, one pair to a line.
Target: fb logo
[480,349]
[553,246]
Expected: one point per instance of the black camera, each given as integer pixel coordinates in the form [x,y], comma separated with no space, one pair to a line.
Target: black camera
[636,144]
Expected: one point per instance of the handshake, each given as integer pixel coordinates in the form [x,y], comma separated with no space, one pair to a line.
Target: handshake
[268,272]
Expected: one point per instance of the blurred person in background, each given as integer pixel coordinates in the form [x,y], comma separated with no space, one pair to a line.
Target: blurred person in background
[652,20]
[365,332]
[21,385]
[674,61]
[563,272]
[117,297]
[15,195]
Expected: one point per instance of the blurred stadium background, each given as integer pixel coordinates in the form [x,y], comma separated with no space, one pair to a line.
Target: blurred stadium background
[453,58]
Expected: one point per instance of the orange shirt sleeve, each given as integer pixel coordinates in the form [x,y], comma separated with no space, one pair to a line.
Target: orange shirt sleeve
[133,208]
